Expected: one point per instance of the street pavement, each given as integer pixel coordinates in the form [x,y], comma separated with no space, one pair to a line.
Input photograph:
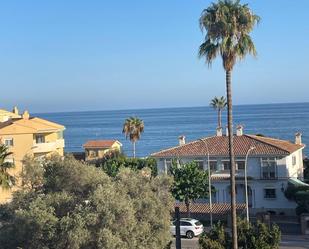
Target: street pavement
[287,242]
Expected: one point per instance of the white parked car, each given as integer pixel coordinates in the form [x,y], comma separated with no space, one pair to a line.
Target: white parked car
[188,227]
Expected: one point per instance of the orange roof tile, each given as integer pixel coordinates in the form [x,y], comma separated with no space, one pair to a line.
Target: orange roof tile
[218,146]
[217,208]
[100,143]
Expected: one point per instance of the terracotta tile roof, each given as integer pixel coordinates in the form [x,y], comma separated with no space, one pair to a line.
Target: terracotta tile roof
[31,125]
[217,208]
[100,143]
[218,146]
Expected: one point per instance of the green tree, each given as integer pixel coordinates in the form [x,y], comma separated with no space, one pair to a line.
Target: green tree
[78,206]
[6,179]
[299,194]
[251,236]
[228,24]
[190,183]
[218,104]
[133,127]
[32,173]
[113,162]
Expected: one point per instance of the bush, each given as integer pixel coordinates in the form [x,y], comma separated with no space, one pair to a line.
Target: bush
[78,206]
[250,236]
[114,161]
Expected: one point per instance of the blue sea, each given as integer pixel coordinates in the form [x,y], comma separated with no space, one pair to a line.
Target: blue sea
[163,126]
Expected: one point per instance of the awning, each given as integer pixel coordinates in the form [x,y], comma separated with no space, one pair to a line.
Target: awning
[296,182]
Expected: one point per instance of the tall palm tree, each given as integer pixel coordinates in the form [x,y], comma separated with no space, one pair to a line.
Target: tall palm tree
[218,104]
[6,180]
[228,24]
[133,127]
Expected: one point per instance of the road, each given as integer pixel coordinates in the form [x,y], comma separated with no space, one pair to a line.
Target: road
[287,242]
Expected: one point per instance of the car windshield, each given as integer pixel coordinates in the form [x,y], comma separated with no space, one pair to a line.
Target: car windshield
[198,223]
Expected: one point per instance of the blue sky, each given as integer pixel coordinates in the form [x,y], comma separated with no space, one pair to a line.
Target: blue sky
[100,55]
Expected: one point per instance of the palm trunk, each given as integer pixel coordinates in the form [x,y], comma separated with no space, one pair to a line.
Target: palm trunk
[219,118]
[133,149]
[231,154]
[187,202]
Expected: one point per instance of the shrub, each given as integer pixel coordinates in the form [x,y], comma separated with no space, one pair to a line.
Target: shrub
[78,206]
[113,162]
[250,236]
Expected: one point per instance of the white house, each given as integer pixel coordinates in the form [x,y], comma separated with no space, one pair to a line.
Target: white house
[271,164]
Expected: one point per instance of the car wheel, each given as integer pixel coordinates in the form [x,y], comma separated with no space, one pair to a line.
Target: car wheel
[190,235]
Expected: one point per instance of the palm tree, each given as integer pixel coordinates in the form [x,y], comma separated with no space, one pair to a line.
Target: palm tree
[218,104]
[228,25]
[6,180]
[133,127]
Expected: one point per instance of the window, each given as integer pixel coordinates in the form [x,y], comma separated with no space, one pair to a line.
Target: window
[213,165]
[200,164]
[185,224]
[168,165]
[9,142]
[240,165]
[269,166]
[293,160]
[92,153]
[226,165]
[39,139]
[269,193]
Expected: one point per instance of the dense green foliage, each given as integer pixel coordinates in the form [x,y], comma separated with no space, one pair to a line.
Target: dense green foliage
[257,236]
[32,174]
[112,162]
[299,194]
[190,183]
[78,206]
[6,179]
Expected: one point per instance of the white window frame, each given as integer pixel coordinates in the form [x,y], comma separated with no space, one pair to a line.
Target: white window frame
[210,161]
[11,142]
[167,161]
[269,198]
[294,160]
[223,161]
[38,137]
[268,159]
[240,160]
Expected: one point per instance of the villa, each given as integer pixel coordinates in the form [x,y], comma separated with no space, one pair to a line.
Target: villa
[271,165]
[96,149]
[25,135]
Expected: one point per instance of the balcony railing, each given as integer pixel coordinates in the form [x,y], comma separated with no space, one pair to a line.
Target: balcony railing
[48,147]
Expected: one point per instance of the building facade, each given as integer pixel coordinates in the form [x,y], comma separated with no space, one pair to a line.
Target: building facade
[96,149]
[25,135]
[271,164]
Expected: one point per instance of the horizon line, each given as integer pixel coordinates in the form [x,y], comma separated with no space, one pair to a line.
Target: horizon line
[167,107]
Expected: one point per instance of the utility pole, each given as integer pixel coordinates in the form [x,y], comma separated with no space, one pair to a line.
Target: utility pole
[178,239]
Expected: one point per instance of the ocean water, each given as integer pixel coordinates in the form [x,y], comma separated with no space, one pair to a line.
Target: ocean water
[163,126]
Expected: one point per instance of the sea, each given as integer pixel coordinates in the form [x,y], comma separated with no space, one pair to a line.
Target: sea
[163,126]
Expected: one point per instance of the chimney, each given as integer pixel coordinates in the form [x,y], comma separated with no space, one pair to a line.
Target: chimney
[182,140]
[26,115]
[227,130]
[15,110]
[239,130]
[219,131]
[298,138]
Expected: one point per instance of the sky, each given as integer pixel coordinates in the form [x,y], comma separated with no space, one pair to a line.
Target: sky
[102,55]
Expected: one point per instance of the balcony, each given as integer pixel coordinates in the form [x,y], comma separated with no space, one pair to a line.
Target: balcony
[47,147]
